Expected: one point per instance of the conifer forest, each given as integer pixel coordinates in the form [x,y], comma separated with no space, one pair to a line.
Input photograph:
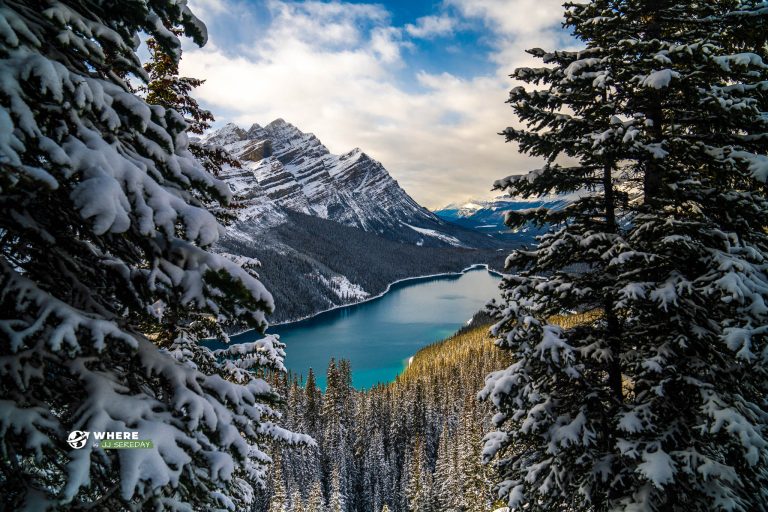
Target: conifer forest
[414,444]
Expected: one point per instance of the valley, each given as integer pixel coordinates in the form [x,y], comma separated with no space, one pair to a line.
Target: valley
[379,336]
[332,230]
[312,264]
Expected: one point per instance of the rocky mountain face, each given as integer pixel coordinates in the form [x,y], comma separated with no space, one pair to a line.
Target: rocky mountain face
[287,169]
[331,229]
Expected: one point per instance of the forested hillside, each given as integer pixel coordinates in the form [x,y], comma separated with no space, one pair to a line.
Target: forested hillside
[413,444]
[312,264]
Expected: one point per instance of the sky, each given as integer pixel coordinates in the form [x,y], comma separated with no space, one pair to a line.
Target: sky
[418,85]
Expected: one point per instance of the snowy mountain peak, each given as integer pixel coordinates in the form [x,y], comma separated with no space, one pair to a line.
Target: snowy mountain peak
[354,155]
[228,134]
[278,122]
[256,131]
[280,128]
[293,170]
[471,205]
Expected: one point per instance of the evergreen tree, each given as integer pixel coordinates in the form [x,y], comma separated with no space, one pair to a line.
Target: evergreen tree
[297,502]
[316,501]
[417,490]
[473,477]
[658,403]
[279,499]
[313,407]
[443,497]
[171,91]
[337,501]
[104,231]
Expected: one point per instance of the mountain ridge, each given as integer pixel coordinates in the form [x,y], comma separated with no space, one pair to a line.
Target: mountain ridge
[330,230]
[287,169]
[487,216]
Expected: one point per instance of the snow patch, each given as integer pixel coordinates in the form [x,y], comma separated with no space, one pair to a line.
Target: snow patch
[435,234]
[659,79]
[341,286]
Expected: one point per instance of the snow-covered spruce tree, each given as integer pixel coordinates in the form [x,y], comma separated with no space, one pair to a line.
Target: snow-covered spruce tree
[475,478]
[557,400]
[337,502]
[171,91]
[316,500]
[166,88]
[278,501]
[446,475]
[660,402]
[297,502]
[417,488]
[102,230]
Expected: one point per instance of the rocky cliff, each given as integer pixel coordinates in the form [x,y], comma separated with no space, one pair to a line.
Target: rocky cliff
[287,169]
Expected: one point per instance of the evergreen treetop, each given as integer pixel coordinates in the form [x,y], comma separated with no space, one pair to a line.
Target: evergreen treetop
[171,91]
[658,403]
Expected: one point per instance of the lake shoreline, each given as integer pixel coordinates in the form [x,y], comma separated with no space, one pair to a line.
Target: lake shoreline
[379,335]
[474,266]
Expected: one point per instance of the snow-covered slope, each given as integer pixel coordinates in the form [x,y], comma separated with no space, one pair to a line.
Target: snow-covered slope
[331,229]
[287,169]
[310,264]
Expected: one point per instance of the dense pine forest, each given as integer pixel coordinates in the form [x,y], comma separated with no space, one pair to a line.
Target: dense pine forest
[414,444]
[411,445]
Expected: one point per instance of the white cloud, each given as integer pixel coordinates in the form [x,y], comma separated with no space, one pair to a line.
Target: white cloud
[206,8]
[386,43]
[516,25]
[513,17]
[336,69]
[431,26]
[328,25]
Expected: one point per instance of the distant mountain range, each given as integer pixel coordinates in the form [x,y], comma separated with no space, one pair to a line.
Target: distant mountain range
[487,216]
[332,229]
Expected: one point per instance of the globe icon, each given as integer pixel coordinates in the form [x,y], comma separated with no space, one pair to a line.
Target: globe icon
[77,439]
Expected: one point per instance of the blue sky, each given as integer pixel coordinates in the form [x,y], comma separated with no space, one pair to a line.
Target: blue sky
[418,85]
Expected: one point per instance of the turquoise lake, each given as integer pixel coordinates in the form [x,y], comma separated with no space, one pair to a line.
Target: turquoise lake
[379,336]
